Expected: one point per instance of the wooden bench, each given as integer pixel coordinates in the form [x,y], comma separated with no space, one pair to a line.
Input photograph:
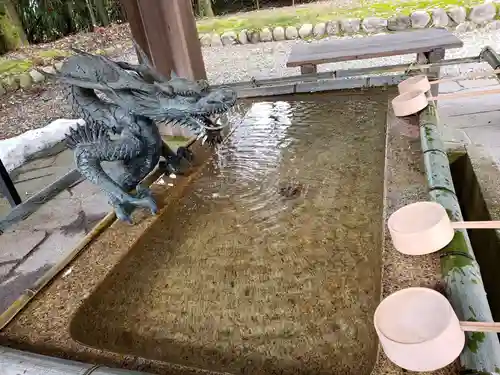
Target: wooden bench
[429,45]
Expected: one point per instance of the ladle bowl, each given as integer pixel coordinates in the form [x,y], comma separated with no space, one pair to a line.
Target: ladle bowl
[409,103]
[416,83]
[418,329]
[424,227]
[420,228]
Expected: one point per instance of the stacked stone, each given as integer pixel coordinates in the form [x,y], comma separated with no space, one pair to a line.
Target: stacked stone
[33,77]
[458,18]
[479,15]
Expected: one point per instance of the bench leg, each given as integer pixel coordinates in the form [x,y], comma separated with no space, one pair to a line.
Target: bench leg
[308,69]
[428,58]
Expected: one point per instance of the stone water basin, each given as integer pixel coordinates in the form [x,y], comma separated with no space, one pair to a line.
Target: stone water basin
[267,259]
[271,259]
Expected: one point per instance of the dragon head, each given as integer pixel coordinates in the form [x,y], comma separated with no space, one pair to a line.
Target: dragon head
[182,86]
[216,102]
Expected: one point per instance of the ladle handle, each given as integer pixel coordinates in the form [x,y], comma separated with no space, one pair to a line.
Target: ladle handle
[464,77]
[475,224]
[465,94]
[480,326]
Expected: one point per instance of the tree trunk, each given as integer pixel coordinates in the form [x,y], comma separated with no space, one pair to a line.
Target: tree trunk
[257,4]
[205,8]
[101,12]
[11,28]
[91,12]
[68,17]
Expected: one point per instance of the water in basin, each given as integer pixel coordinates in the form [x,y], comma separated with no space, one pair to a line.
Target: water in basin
[270,262]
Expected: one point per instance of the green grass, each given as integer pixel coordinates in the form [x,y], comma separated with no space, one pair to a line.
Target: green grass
[10,67]
[53,53]
[288,16]
[384,9]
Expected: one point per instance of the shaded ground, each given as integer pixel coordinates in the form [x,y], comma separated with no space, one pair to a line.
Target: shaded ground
[26,110]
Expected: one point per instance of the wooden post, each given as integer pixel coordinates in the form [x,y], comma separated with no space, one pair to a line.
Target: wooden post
[155,29]
[133,16]
[167,32]
[433,56]
[183,37]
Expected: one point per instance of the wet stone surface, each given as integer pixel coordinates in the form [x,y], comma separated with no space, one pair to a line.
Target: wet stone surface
[31,247]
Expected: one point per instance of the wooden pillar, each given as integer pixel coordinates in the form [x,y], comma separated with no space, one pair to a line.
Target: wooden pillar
[166,31]
[155,30]
[133,15]
[183,36]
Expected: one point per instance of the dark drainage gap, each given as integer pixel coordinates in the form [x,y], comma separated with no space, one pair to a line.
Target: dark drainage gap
[485,242]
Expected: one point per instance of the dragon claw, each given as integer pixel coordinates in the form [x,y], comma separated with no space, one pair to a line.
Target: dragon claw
[213,137]
[123,214]
[185,153]
[176,163]
[143,198]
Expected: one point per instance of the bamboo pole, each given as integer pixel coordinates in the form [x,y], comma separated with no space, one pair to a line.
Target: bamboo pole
[460,271]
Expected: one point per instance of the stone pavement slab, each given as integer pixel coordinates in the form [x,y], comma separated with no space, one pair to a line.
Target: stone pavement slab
[33,246]
[473,120]
[30,248]
[37,174]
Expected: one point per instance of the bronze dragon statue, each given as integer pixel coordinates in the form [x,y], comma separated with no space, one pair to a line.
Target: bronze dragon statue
[121,104]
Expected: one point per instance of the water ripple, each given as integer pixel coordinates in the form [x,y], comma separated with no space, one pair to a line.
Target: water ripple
[247,168]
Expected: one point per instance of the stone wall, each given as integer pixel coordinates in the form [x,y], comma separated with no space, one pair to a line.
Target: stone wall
[458,18]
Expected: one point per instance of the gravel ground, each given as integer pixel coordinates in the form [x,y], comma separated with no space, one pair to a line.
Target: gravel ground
[23,111]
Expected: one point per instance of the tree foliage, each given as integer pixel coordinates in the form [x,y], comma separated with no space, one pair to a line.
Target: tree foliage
[42,21]
[47,20]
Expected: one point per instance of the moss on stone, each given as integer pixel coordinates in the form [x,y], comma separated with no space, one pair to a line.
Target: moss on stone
[453,156]
[451,263]
[298,16]
[9,33]
[10,67]
[53,53]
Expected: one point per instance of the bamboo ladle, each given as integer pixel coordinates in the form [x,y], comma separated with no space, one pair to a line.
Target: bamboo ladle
[412,102]
[419,330]
[424,227]
[413,98]
[421,81]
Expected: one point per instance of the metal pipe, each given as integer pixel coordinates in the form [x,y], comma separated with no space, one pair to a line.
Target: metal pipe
[404,67]
[29,206]
[491,57]
[15,362]
[7,187]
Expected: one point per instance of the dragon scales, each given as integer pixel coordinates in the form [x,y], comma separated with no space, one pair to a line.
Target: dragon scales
[121,104]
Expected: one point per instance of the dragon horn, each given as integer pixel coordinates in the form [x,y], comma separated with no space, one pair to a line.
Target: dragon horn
[146,63]
[116,98]
[141,53]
